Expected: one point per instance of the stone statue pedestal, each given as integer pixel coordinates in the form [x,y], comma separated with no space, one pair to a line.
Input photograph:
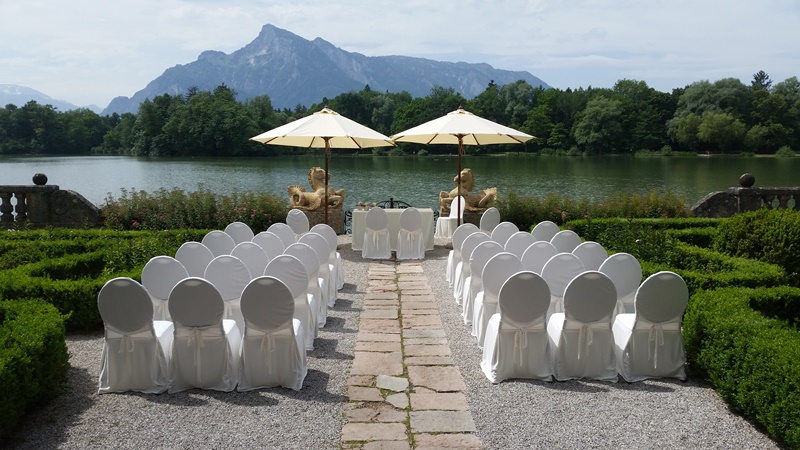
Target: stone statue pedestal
[335,218]
[473,217]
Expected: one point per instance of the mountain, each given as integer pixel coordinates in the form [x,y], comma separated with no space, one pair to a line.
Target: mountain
[295,71]
[20,95]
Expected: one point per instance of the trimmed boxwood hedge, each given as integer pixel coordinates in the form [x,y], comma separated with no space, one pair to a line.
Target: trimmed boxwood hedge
[33,358]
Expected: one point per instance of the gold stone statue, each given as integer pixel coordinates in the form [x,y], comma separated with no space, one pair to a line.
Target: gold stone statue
[312,200]
[474,202]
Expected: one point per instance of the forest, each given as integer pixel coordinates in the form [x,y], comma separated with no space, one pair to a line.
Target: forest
[726,116]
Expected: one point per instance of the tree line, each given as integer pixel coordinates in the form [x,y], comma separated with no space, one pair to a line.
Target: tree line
[721,117]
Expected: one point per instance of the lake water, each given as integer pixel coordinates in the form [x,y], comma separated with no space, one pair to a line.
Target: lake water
[416,180]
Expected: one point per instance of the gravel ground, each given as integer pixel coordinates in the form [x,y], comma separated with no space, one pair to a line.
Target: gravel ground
[513,414]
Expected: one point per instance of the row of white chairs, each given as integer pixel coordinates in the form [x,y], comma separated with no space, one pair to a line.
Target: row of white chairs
[377,243]
[199,348]
[445,226]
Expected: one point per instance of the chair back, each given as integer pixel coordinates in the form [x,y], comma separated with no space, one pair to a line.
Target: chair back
[125,305]
[284,232]
[591,254]
[457,207]
[625,272]
[267,304]
[503,231]
[411,219]
[545,230]
[489,219]
[229,275]
[469,244]
[481,255]
[219,242]
[536,256]
[519,242]
[239,231]
[376,219]
[523,298]
[662,298]
[195,302]
[590,297]
[320,246]
[160,274]
[329,234]
[497,270]
[559,270]
[195,257]
[566,241]
[461,233]
[253,256]
[291,272]
[297,221]
[270,243]
[306,254]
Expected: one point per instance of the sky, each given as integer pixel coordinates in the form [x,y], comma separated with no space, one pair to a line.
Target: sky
[90,51]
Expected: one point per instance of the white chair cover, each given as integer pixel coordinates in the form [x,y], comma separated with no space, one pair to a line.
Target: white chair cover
[195,257]
[649,343]
[239,231]
[446,226]
[581,342]
[298,222]
[273,346]
[460,284]
[135,348]
[410,243]
[473,283]
[558,271]
[333,241]
[566,241]
[317,286]
[219,242]
[536,256]
[454,257]
[496,271]
[294,275]
[284,232]
[626,273]
[516,343]
[503,231]
[253,256]
[206,347]
[490,219]
[159,275]
[518,243]
[376,235]
[229,275]
[545,230]
[270,243]
[591,254]
[326,267]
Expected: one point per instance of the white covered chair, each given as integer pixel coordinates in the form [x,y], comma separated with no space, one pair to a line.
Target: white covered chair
[135,347]
[518,243]
[503,231]
[253,256]
[454,257]
[581,341]
[326,267]
[159,275]
[195,257]
[410,243]
[271,243]
[516,343]
[219,242]
[558,271]
[489,219]
[566,241]
[206,347]
[239,231]
[298,222]
[626,273]
[473,282]
[294,275]
[536,256]
[273,345]
[317,285]
[460,286]
[649,343]
[284,232]
[333,241]
[545,230]
[591,254]
[446,226]
[497,270]
[229,275]
[376,235]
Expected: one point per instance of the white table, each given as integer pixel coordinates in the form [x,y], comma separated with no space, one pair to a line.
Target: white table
[359,215]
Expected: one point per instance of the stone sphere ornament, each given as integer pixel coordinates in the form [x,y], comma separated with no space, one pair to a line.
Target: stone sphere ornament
[747,180]
[40,179]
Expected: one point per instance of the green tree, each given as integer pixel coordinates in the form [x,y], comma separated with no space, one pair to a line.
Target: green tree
[721,131]
[600,128]
[761,81]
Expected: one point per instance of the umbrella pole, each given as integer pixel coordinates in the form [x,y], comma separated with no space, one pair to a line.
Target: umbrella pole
[458,198]
[327,154]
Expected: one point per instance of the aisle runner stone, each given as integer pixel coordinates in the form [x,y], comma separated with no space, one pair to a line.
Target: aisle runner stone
[404,391]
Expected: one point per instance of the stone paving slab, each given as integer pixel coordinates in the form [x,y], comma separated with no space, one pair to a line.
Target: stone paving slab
[441,422]
[374,363]
[427,350]
[379,314]
[378,337]
[358,431]
[441,379]
[380,304]
[428,361]
[380,296]
[415,305]
[426,321]
[361,380]
[370,346]
[364,394]
[426,441]
[423,333]
[386,445]
[453,401]
[379,326]
[368,412]
[425,341]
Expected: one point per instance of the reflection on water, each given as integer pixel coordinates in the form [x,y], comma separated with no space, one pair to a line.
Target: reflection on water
[415,180]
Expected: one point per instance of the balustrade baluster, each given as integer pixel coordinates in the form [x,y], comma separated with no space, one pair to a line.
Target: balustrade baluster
[6,208]
[21,207]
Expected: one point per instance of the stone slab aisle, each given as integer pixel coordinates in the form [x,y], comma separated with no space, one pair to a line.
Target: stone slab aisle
[404,390]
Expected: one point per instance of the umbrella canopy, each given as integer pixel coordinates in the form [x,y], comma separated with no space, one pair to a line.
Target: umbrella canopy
[324,129]
[461,127]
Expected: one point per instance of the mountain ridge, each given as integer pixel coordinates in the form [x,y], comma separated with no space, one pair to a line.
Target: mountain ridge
[14,94]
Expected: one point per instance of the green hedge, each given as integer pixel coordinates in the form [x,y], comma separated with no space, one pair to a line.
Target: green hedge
[33,358]
[752,360]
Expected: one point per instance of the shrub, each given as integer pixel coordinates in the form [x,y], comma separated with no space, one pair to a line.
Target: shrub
[785,152]
[423,152]
[33,358]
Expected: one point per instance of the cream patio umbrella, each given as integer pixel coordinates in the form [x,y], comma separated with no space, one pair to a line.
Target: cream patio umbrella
[324,129]
[462,128]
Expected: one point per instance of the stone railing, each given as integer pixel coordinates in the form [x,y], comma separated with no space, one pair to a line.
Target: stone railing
[38,206]
[741,199]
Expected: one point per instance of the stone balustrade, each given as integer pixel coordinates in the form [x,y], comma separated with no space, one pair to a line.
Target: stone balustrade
[37,206]
[741,199]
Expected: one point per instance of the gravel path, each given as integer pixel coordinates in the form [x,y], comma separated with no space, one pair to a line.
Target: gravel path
[513,414]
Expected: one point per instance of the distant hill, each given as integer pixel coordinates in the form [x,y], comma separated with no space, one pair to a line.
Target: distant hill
[295,71]
[12,94]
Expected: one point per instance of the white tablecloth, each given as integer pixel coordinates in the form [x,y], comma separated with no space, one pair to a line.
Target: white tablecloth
[394,226]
